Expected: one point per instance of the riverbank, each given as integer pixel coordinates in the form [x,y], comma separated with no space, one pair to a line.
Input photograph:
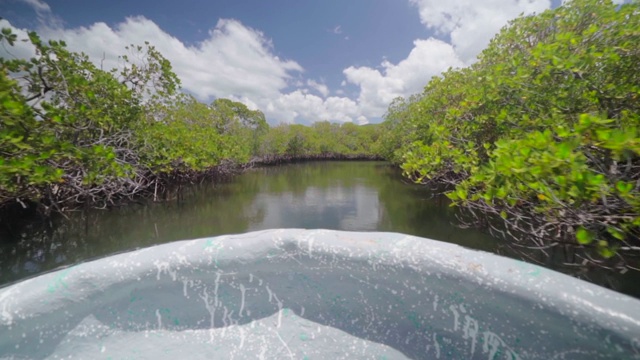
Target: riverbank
[162,187]
[287,159]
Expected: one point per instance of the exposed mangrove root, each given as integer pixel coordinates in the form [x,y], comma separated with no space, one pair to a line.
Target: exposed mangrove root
[286,159]
[72,195]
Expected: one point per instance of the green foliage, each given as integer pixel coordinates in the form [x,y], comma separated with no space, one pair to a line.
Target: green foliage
[71,120]
[182,139]
[322,139]
[572,181]
[542,130]
[188,136]
[402,127]
[236,120]
[25,148]
[72,133]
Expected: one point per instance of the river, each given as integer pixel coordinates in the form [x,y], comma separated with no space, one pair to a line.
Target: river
[350,195]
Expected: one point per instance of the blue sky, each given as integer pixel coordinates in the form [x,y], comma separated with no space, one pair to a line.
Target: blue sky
[297,61]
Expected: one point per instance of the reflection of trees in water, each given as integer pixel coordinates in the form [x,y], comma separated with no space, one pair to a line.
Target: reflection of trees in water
[200,211]
[297,178]
[332,195]
[238,205]
[430,217]
[569,260]
[29,249]
[195,211]
[419,212]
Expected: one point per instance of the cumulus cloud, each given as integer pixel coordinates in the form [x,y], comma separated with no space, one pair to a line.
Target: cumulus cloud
[234,60]
[319,87]
[470,24]
[20,50]
[378,88]
[302,105]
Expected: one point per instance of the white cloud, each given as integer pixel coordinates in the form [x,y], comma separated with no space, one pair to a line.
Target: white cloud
[362,120]
[20,50]
[471,23]
[233,61]
[303,106]
[319,87]
[377,89]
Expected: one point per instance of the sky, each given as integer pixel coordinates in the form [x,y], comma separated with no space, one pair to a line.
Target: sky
[298,61]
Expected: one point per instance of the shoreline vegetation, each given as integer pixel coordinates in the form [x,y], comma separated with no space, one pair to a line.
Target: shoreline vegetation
[538,141]
[287,159]
[74,136]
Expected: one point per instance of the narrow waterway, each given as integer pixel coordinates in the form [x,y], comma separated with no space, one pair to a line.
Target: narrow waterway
[353,196]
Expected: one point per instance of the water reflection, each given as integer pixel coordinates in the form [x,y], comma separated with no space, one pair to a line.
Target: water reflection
[353,208]
[355,196]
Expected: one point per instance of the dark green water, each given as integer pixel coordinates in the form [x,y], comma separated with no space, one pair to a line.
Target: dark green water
[355,196]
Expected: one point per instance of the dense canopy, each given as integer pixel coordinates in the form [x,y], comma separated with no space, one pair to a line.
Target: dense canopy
[541,132]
